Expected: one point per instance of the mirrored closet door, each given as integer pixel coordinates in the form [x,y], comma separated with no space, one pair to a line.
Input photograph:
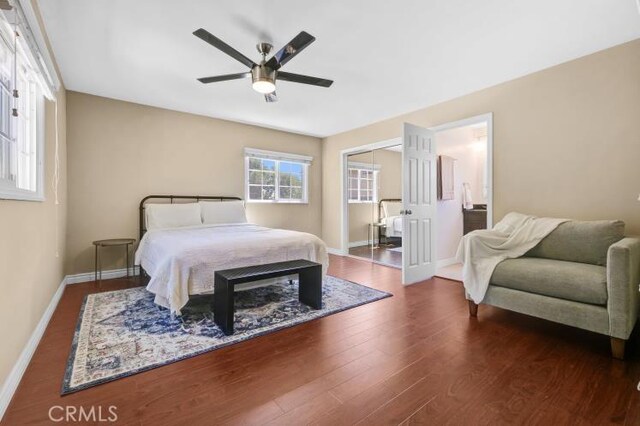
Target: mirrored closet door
[374,191]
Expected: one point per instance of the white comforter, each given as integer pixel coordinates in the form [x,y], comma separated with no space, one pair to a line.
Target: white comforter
[394,226]
[480,251]
[183,261]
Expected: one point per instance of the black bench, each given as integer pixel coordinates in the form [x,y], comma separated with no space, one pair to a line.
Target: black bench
[309,287]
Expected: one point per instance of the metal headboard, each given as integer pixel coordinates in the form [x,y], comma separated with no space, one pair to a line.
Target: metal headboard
[171,198]
[398,200]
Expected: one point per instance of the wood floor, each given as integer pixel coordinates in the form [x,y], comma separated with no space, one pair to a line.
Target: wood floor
[415,358]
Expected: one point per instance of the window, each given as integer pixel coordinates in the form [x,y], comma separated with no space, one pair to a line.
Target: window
[20,145]
[362,183]
[276,177]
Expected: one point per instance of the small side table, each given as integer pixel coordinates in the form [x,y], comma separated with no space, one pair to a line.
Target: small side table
[127,243]
[371,236]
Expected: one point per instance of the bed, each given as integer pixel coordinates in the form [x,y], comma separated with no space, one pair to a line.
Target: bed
[389,214]
[185,239]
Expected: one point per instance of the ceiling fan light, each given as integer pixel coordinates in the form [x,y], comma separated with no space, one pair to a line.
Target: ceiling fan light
[264,79]
[264,86]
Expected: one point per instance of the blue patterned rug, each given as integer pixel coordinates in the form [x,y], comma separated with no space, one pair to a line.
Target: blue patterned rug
[120,333]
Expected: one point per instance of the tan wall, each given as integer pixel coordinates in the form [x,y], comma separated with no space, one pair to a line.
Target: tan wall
[566,141]
[120,152]
[389,186]
[32,244]
[32,249]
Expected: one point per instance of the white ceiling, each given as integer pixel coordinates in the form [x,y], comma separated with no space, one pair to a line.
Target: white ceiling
[386,57]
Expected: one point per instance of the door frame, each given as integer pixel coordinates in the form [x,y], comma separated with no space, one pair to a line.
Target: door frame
[477,119]
[344,216]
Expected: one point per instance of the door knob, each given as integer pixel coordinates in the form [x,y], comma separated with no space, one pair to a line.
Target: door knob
[408,212]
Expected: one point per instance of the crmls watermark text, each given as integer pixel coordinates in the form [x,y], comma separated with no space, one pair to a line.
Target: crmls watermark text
[94,413]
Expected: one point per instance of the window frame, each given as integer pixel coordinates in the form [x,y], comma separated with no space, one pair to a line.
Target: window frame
[9,191]
[8,188]
[375,170]
[277,158]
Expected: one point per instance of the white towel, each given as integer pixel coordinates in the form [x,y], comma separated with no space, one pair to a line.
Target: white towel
[467,201]
[480,251]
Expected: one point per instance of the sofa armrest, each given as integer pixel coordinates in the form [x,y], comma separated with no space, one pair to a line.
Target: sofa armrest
[623,279]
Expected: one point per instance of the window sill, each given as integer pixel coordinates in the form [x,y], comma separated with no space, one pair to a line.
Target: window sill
[20,195]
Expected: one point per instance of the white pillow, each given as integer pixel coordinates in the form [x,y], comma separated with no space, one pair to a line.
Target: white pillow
[391,208]
[215,212]
[161,216]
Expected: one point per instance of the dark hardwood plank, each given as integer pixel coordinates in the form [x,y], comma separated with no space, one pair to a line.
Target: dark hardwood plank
[415,358]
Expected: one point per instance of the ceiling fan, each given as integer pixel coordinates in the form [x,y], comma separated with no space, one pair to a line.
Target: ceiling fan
[264,74]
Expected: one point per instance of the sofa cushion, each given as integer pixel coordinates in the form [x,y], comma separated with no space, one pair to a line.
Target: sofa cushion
[580,241]
[579,282]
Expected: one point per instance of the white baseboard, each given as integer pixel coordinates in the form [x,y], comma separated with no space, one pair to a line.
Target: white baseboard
[11,383]
[358,243]
[446,262]
[335,251]
[106,275]
[13,380]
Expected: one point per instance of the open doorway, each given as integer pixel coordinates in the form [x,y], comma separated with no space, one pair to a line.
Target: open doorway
[429,225]
[464,188]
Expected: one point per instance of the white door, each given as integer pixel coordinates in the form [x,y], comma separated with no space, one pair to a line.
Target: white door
[419,204]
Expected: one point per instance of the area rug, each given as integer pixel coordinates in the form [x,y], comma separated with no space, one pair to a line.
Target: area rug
[120,333]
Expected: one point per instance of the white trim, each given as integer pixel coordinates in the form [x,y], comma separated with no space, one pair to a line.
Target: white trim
[16,194]
[277,200]
[8,192]
[344,163]
[334,251]
[364,166]
[106,275]
[353,244]
[274,155]
[446,262]
[36,41]
[372,146]
[482,118]
[13,379]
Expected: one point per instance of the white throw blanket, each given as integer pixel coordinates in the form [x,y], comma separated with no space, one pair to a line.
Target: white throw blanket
[183,261]
[481,251]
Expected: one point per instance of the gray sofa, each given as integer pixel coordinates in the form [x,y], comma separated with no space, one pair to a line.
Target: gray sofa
[583,274]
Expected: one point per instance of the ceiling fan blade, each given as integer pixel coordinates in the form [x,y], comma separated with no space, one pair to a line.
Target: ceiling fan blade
[271,97]
[219,44]
[291,49]
[225,77]
[304,79]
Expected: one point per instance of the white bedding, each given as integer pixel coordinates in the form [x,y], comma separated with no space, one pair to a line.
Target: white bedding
[182,261]
[393,226]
